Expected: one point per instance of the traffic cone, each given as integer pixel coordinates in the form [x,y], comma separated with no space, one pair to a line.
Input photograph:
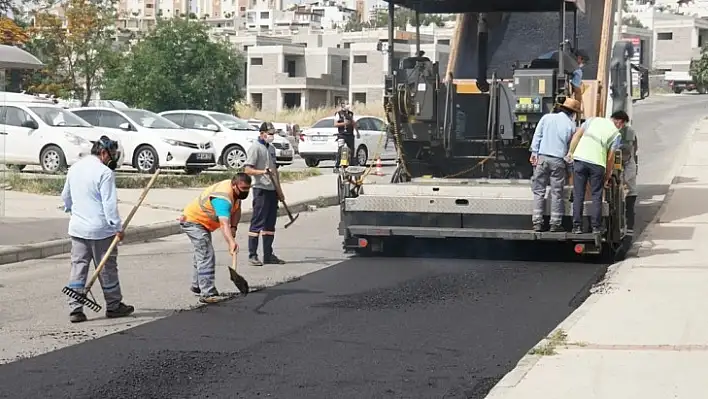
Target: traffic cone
[379,170]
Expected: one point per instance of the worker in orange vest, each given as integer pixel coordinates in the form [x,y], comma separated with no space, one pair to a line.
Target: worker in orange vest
[217,207]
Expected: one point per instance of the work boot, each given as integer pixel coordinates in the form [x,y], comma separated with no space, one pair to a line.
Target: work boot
[195,290]
[77,316]
[254,261]
[122,310]
[598,230]
[577,229]
[273,260]
[557,228]
[538,227]
[214,298]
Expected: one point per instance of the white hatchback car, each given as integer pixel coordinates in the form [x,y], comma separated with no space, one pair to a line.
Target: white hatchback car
[319,142]
[152,141]
[44,134]
[232,136]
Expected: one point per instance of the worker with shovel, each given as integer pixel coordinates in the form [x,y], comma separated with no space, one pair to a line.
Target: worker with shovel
[89,194]
[217,207]
[261,165]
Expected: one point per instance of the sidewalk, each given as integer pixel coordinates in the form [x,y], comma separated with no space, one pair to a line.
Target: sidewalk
[35,226]
[644,333]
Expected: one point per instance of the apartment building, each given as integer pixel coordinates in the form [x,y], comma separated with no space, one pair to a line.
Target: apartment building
[295,76]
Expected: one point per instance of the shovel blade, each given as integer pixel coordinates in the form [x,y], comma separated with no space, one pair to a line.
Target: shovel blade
[239,281]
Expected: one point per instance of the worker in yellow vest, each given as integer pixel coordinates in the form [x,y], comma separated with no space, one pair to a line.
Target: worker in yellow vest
[217,207]
[592,151]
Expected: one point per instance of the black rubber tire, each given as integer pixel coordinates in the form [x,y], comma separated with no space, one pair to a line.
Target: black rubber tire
[225,155]
[362,150]
[62,167]
[312,162]
[155,164]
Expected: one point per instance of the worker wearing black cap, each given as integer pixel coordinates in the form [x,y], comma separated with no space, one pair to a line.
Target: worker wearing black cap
[261,166]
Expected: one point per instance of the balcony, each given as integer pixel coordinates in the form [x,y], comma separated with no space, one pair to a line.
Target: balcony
[328,80]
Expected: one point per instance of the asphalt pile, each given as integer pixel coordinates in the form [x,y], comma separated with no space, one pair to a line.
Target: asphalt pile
[525,36]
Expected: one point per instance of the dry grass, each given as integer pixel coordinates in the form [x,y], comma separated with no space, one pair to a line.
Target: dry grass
[303,118]
[53,185]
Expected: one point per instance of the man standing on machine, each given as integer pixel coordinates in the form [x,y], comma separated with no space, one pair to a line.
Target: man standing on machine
[261,165]
[90,196]
[629,147]
[346,125]
[593,153]
[548,149]
[217,207]
[576,81]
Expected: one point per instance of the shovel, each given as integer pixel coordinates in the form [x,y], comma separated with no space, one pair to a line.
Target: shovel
[236,278]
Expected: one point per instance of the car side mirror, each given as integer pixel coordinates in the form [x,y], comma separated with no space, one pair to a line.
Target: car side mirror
[30,124]
[213,127]
[125,126]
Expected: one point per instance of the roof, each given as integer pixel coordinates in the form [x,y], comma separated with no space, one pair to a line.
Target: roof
[15,58]
[462,6]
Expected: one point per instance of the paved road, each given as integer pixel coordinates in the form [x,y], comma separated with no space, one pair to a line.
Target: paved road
[444,326]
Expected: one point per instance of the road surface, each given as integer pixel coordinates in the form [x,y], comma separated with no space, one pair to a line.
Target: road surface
[447,325]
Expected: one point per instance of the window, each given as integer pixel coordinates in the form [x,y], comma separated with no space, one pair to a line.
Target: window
[149,119]
[257,100]
[231,122]
[200,122]
[359,98]
[110,120]
[290,68]
[360,59]
[445,42]
[176,118]
[53,116]
[257,61]
[326,122]
[665,36]
[347,45]
[377,124]
[88,115]
[364,124]
[345,72]
[14,116]
[265,15]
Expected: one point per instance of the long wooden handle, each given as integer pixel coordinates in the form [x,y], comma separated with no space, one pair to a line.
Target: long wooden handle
[233,261]
[113,245]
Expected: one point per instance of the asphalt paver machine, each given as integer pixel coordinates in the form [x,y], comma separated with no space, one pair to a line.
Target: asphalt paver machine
[463,135]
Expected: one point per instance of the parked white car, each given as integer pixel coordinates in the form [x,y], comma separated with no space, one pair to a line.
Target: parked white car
[319,142]
[41,133]
[232,136]
[152,141]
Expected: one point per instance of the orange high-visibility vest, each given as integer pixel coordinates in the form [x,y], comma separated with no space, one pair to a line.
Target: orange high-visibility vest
[202,212]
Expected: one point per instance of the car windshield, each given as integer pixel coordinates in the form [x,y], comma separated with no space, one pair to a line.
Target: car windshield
[232,122]
[150,120]
[327,122]
[59,117]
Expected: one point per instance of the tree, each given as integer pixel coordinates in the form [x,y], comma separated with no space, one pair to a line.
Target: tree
[177,66]
[401,18]
[11,34]
[633,22]
[79,44]
[699,67]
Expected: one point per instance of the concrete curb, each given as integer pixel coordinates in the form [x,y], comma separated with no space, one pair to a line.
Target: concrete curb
[140,234]
[529,361]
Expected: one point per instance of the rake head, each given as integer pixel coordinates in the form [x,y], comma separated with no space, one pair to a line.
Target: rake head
[82,299]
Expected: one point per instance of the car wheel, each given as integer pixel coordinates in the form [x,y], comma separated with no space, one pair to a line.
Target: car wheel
[52,160]
[362,155]
[18,168]
[311,162]
[145,159]
[234,157]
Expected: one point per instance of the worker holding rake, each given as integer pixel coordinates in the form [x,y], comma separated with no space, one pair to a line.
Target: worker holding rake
[217,207]
[90,196]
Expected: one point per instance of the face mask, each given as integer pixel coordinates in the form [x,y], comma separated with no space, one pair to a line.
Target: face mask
[242,195]
[270,138]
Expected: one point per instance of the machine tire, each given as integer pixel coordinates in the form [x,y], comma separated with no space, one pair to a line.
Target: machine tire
[362,153]
[146,166]
[312,162]
[52,160]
